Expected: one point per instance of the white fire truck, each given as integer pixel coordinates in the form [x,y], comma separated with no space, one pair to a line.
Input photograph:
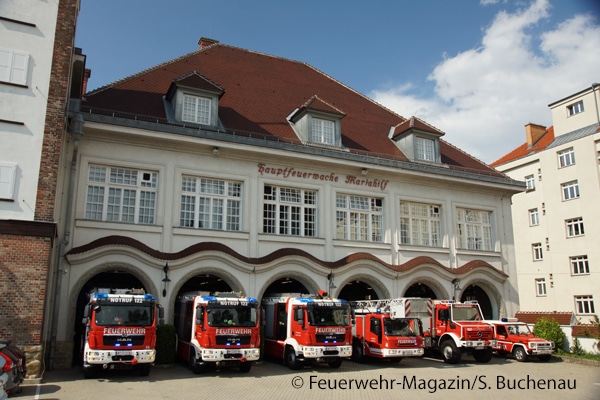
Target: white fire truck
[302,329]
[120,330]
[220,329]
[384,329]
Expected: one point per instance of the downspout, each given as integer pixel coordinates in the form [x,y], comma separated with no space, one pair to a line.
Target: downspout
[75,128]
[595,90]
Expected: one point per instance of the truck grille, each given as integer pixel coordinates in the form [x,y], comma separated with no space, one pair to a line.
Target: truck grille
[123,341]
[233,340]
[331,338]
[479,335]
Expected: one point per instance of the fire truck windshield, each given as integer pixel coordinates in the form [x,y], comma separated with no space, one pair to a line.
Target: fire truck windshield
[400,327]
[220,316]
[126,314]
[329,316]
[470,313]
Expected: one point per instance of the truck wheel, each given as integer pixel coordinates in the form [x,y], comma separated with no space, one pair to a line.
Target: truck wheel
[482,356]
[291,359]
[450,352]
[245,367]
[545,357]
[520,354]
[358,353]
[89,372]
[144,369]
[193,362]
[335,364]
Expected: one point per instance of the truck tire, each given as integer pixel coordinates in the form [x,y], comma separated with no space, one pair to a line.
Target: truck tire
[483,356]
[520,354]
[545,357]
[245,367]
[450,352]
[144,369]
[291,359]
[89,372]
[335,364]
[358,353]
[193,363]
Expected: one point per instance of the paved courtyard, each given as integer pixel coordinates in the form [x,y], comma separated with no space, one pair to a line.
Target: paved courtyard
[410,379]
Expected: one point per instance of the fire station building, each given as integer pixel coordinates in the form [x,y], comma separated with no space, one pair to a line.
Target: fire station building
[231,170]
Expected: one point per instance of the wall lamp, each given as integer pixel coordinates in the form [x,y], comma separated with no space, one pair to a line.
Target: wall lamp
[364,171]
[166,279]
[331,284]
[457,288]
[216,151]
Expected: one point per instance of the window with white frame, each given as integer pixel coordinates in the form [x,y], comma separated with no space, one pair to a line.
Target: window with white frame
[570,190]
[121,195]
[579,265]
[584,305]
[534,217]
[420,224]
[540,287]
[474,229]
[14,66]
[575,108]
[196,109]
[8,172]
[210,204]
[566,157]
[538,254]
[359,218]
[323,131]
[529,183]
[289,211]
[425,149]
[575,227]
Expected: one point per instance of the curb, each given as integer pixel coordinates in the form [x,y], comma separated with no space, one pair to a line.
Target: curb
[574,360]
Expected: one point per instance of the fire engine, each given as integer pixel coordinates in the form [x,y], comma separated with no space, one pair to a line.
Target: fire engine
[218,329]
[120,330]
[302,329]
[382,329]
[515,338]
[453,328]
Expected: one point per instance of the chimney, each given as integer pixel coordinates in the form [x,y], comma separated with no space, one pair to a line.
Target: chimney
[206,42]
[534,132]
[87,73]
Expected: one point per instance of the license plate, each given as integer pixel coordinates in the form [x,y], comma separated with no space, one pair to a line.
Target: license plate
[232,351]
[123,353]
[330,348]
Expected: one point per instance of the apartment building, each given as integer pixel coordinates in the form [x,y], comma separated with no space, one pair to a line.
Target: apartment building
[555,220]
[36,56]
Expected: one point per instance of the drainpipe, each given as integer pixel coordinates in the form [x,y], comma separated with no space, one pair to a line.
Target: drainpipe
[76,130]
[595,86]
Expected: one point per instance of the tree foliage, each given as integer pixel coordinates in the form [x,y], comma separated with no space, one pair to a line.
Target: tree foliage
[549,329]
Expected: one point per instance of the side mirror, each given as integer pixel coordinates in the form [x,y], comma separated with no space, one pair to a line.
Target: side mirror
[161,312]
[199,316]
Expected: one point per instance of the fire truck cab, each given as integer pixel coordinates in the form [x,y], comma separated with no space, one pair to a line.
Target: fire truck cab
[120,330]
[515,338]
[385,329]
[218,329]
[302,329]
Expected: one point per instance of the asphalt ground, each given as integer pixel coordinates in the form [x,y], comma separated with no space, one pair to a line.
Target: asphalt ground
[412,378]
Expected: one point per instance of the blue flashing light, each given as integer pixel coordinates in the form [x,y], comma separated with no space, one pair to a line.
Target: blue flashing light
[149,297]
[101,295]
[238,343]
[129,344]
[227,344]
[117,344]
[504,319]
[378,310]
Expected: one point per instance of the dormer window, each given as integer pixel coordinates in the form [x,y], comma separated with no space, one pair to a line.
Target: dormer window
[194,99]
[418,140]
[318,123]
[196,109]
[425,149]
[323,132]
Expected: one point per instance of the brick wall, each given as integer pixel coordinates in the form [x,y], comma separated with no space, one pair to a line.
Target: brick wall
[23,275]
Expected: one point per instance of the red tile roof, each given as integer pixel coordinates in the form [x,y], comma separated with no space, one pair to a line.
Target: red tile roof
[525,150]
[260,91]
[531,317]
[585,330]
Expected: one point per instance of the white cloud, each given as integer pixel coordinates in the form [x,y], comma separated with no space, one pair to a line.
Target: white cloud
[485,96]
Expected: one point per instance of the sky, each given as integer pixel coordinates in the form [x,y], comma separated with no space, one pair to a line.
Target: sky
[478,70]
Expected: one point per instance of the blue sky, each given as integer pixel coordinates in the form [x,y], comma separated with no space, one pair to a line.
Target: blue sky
[479,70]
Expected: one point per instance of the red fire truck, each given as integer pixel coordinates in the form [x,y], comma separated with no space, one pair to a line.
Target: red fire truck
[383,329]
[515,337]
[453,328]
[307,328]
[218,329]
[120,330]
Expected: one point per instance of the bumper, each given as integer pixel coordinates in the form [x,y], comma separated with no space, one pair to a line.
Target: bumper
[326,351]
[100,357]
[218,355]
[412,352]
